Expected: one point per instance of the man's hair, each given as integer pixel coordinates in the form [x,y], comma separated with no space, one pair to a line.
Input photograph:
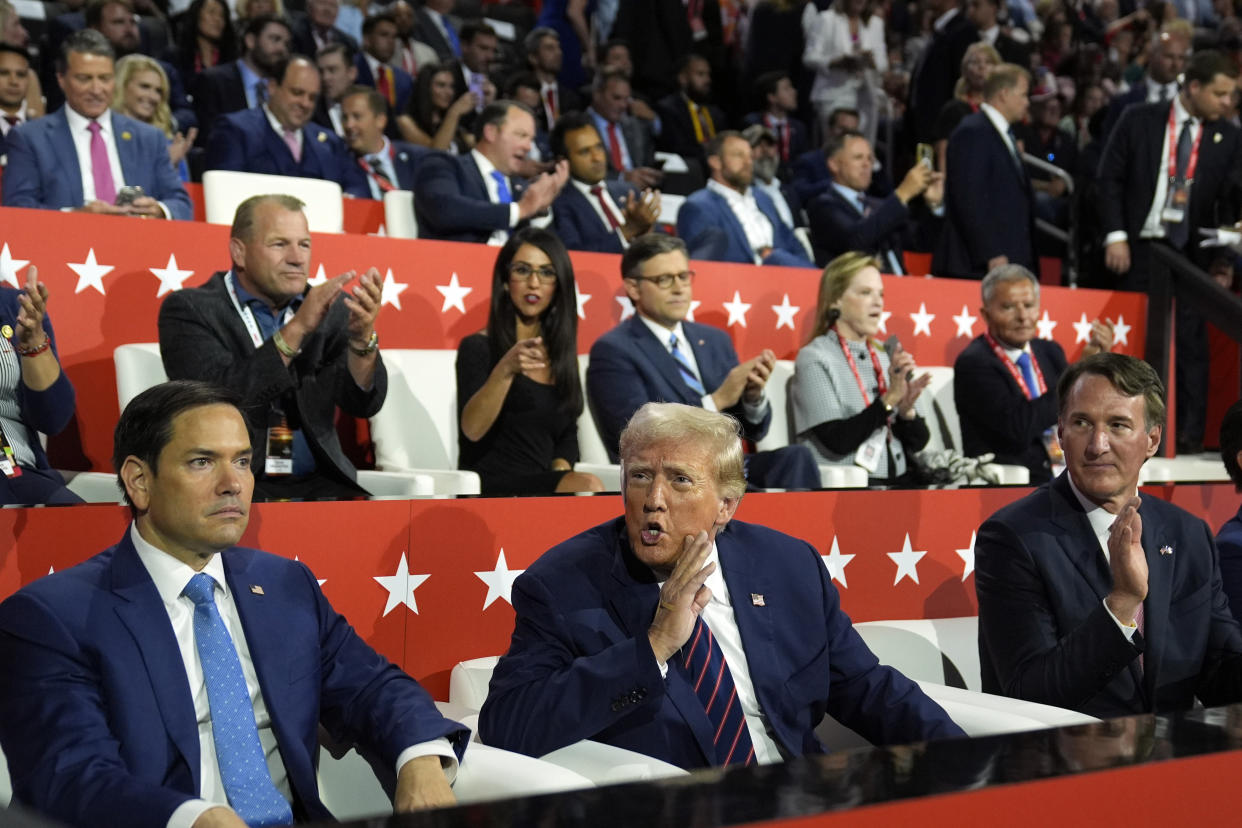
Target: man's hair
[689,426]
[521,80]
[83,42]
[256,25]
[530,44]
[712,146]
[683,63]
[373,20]
[375,100]
[1205,65]
[606,76]
[836,143]
[601,51]
[145,426]
[93,13]
[8,48]
[1005,76]
[1003,274]
[243,218]
[767,83]
[1131,377]
[1231,442]
[648,246]
[841,110]
[495,114]
[472,29]
[569,122]
[338,47]
[282,67]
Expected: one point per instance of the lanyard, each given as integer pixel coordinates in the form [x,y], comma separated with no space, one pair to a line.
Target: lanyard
[247,316]
[1193,163]
[1013,369]
[782,132]
[875,360]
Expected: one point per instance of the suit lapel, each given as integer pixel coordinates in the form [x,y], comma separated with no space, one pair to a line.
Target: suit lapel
[1077,538]
[126,150]
[656,352]
[141,610]
[62,143]
[731,223]
[754,622]
[711,372]
[1156,606]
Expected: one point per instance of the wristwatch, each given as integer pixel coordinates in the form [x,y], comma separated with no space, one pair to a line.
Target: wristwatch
[371,347]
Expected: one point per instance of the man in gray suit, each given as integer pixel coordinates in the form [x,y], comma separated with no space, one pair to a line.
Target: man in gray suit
[627,140]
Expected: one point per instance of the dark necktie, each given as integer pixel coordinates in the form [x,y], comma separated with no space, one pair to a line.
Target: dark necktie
[1017,156]
[13,120]
[1178,233]
[688,376]
[614,148]
[713,684]
[372,166]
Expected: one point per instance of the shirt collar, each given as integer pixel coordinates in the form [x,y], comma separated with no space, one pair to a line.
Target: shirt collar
[731,195]
[662,333]
[245,297]
[275,122]
[169,574]
[249,76]
[78,122]
[384,153]
[998,120]
[851,195]
[715,582]
[486,167]
[584,187]
[1179,111]
[1099,517]
[599,119]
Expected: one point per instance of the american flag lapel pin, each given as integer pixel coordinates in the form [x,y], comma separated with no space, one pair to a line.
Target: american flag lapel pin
[1166,550]
[757,599]
[256,589]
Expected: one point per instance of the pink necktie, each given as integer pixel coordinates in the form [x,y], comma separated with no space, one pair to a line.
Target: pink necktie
[101,168]
[291,138]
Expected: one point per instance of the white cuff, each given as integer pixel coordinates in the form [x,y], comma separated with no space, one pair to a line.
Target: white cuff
[437,747]
[167,213]
[1116,236]
[189,811]
[515,214]
[1127,630]
[755,412]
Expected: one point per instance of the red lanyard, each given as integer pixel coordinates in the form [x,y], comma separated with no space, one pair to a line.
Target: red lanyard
[1193,163]
[1013,369]
[782,132]
[875,360]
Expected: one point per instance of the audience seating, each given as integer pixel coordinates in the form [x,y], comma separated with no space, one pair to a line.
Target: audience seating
[940,650]
[223,190]
[400,221]
[138,367]
[592,453]
[946,426]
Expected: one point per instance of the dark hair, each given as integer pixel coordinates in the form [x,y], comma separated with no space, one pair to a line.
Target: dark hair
[713,145]
[495,114]
[606,76]
[256,25]
[375,101]
[1205,65]
[841,110]
[83,42]
[145,426]
[559,323]
[1131,377]
[1231,442]
[837,142]
[648,246]
[371,21]
[93,14]
[683,63]
[345,50]
[601,51]
[472,29]
[519,80]
[8,48]
[187,36]
[569,122]
[532,41]
[421,109]
[282,67]
[766,84]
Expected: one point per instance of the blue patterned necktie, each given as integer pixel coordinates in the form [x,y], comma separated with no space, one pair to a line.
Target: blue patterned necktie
[1028,374]
[713,684]
[243,767]
[687,373]
[502,188]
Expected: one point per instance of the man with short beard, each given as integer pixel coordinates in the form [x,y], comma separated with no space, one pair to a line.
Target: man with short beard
[766,157]
[242,84]
[410,54]
[688,118]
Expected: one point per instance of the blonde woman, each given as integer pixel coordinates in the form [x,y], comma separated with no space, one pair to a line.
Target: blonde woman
[142,93]
[850,404]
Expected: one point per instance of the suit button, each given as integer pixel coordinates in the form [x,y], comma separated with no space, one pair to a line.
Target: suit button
[616,706]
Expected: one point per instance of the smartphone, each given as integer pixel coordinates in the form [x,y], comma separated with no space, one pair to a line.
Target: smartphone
[892,346]
[926,155]
[128,195]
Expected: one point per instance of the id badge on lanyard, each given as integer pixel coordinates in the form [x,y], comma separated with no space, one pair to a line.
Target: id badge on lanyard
[8,460]
[872,450]
[1177,202]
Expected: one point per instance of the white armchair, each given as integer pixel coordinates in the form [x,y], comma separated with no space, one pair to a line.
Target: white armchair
[592,455]
[400,220]
[223,190]
[940,392]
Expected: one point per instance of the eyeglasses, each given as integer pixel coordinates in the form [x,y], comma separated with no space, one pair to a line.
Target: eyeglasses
[521,271]
[665,280]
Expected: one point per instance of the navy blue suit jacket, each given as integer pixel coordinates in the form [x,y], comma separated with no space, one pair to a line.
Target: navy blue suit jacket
[837,226]
[49,410]
[401,79]
[450,200]
[629,368]
[245,141]
[1229,541]
[713,233]
[989,205]
[96,713]
[217,91]
[43,169]
[574,219]
[1045,636]
[580,665]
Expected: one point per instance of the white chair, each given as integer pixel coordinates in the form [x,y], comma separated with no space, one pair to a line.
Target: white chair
[982,714]
[416,430]
[138,367]
[780,431]
[223,190]
[592,454]
[1195,468]
[940,393]
[670,206]
[400,220]
[93,487]
[803,235]
[941,650]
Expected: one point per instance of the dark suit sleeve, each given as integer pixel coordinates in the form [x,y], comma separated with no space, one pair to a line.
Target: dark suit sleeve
[443,204]
[208,104]
[1220,680]
[994,410]
[615,389]
[168,187]
[64,755]
[22,184]
[1115,170]
[835,226]
[979,208]
[572,224]
[49,410]
[1229,544]
[226,146]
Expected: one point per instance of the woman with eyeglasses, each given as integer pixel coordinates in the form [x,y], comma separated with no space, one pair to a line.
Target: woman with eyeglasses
[518,391]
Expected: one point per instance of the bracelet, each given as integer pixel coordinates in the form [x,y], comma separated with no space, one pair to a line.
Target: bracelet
[371,347]
[29,352]
[283,347]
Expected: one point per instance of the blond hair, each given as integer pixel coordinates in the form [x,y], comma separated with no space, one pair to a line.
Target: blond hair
[131,65]
[718,434]
[833,284]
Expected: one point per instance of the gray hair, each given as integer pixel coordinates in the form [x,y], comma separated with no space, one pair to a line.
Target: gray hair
[719,434]
[1006,273]
[83,42]
[531,44]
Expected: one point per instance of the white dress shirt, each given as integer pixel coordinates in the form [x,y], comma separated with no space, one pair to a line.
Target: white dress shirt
[758,229]
[753,412]
[80,132]
[1157,92]
[486,167]
[1002,126]
[280,131]
[585,189]
[1153,225]
[1101,519]
[384,158]
[170,576]
[719,618]
[337,118]
[773,189]
[20,115]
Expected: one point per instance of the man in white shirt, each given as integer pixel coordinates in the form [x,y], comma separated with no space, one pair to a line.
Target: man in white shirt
[544,56]
[178,679]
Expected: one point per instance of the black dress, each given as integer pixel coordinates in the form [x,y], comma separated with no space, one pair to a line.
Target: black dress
[532,429]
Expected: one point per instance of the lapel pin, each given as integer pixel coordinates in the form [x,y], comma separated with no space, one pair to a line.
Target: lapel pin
[6,331]
[256,589]
[1216,138]
[125,136]
[403,156]
[1166,550]
[702,343]
[757,599]
[323,136]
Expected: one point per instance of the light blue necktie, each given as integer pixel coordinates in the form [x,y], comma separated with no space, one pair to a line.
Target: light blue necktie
[502,188]
[453,39]
[687,373]
[1028,373]
[243,767]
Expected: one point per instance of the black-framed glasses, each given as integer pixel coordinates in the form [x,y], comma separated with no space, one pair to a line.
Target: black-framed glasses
[665,280]
[521,271]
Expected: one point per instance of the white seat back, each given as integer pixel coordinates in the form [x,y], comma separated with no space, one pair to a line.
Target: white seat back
[940,393]
[780,432]
[138,367]
[417,427]
[940,650]
[400,221]
[591,447]
[223,190]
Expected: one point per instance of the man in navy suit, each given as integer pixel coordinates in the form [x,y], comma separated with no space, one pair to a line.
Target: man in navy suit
[389,165]
[544,57]
[688,118]
[242,84]
[278,137]
[379,43]
[989,204]
[318,28]
[177,678]
[1229,538]
[730,220]
[658,356]
[780,101]
[594,213]
[82,155]
[617,626]
[476,197]
[433,26]
[845,217]
[1091,598]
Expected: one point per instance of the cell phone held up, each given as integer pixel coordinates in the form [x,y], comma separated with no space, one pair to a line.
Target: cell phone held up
[128,195]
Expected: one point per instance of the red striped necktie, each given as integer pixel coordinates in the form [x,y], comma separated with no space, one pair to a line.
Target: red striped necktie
[713,684]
